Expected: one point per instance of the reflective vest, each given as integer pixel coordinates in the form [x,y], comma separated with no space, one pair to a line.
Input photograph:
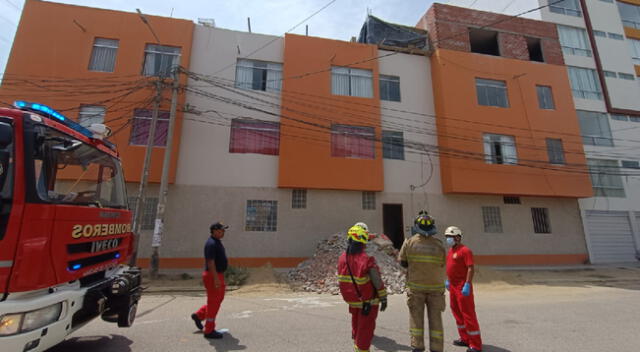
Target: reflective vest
[360,265]
[426,258]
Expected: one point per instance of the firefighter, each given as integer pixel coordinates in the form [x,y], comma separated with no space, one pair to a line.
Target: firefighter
[424,257]
[361,287]
[460,274]
[213,278]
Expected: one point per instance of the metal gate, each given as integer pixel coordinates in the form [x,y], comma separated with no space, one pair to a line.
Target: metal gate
[610,237]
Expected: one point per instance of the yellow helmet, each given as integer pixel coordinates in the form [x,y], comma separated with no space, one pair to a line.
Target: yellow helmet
[358,234]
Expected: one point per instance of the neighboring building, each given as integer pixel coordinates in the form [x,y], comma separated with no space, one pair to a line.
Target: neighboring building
[600,42]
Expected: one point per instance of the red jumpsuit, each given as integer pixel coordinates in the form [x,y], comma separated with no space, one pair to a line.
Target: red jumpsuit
[463,308]
[362,326]
[209,311]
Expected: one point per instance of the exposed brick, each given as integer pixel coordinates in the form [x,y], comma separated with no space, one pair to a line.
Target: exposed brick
[552,52]
[513,46]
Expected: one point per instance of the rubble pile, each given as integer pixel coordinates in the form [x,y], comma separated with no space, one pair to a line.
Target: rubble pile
[318,273]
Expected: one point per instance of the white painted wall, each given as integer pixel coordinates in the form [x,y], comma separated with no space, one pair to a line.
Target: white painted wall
[204,151]
[418,124]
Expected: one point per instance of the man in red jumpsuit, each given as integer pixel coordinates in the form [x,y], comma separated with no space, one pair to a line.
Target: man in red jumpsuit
[361,287]
[460,274]
[213,278]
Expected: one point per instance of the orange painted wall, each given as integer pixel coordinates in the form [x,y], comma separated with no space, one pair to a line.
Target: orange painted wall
[305,139]
[462,122]
[632,33]
[49,44]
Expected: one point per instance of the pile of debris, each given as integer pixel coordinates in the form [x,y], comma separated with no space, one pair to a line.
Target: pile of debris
[318,273]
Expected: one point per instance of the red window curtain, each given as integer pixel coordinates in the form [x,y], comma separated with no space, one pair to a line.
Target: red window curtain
[352,141]
[142,125]
[254,136]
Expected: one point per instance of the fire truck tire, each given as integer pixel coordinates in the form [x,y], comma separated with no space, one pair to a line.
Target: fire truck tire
[127,316]
[110,316]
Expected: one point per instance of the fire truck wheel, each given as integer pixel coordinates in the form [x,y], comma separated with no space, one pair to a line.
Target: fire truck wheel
[127,316]
[110,316]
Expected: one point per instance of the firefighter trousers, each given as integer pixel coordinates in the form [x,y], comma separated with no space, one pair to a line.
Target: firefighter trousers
[464,312]
[434,301]
[215,295]
[362,327]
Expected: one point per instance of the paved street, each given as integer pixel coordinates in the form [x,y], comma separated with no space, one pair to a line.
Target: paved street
[526,318]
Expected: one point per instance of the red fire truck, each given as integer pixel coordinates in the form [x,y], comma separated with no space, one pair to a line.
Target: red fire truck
[65,229]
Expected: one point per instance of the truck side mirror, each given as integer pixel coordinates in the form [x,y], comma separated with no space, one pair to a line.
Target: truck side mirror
[6,134]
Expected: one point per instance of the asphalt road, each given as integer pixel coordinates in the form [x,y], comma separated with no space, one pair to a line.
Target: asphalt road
[512,319]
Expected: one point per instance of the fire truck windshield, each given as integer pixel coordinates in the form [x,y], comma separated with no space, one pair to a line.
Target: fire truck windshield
[69,171]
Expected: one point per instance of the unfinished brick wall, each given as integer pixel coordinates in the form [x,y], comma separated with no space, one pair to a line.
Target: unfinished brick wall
[448,29]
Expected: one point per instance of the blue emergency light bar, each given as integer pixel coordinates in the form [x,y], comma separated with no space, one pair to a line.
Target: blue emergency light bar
[52,114]
[76,267]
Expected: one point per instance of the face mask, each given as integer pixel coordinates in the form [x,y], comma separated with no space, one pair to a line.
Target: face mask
[450,241]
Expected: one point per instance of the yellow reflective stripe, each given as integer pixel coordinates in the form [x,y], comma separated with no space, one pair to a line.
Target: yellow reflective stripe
[416,332]
[425,259]
[436,334]
[356,349]
[359,280]
[374,302]
[382,293]
[416,286]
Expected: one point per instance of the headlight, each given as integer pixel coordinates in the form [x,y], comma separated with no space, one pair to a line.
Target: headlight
[22,322]
[41,317]
[10,324]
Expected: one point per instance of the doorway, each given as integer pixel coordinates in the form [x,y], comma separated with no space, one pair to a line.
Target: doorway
[393,224]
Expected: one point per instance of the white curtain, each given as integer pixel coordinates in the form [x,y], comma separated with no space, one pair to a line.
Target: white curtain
[361,83]
[274,77]
[244,74]
[507,148]
[584,83]
[574,38]
[340,80]
[103,56]
[90,114]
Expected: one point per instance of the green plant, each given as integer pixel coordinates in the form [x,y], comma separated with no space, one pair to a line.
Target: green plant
[235,276]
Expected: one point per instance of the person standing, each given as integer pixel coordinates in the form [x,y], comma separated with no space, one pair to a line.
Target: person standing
[460,275]
[424,257]
[213,278]
[361,287]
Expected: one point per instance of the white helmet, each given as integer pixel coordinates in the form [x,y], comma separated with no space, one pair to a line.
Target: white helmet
[363,225]
[453,231]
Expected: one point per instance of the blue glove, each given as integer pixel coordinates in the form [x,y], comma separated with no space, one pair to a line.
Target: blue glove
[466,289]
[446,284]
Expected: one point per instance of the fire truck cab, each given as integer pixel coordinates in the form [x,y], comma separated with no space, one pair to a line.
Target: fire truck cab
[65,229]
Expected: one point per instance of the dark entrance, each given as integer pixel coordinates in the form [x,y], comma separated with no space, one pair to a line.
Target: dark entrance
[393,224]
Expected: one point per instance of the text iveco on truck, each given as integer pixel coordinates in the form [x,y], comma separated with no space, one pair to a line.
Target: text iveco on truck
[65,229]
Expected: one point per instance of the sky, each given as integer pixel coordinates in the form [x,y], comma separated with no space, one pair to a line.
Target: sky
[340,20]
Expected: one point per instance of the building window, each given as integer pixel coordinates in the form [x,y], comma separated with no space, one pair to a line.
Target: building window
[615,36]
[492,219]
[254,136]
[566,7]
[534,46]
[630,14]
[606,178]
[103,55]
[630,164]
[595,129]
[392,145]
[545,98]
[389,88]
[540,218]
[299,199]
[511,200]
[500,149]
[149,209]
[262,215]
[619,117]
[352,141]
[584,83]
[259,75]
[555,151]
[610,74]
[634,118]
[90,114]
[634,45]
[599,33]
[159,60]
[351,82]
[484,42]
[369,200]
[492,93]
[628,77]
[574,41]
[142,119]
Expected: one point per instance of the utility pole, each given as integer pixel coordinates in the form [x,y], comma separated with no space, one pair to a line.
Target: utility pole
[164,181]
[137,222]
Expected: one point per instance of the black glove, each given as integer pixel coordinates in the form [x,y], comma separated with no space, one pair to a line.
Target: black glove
[383,304]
